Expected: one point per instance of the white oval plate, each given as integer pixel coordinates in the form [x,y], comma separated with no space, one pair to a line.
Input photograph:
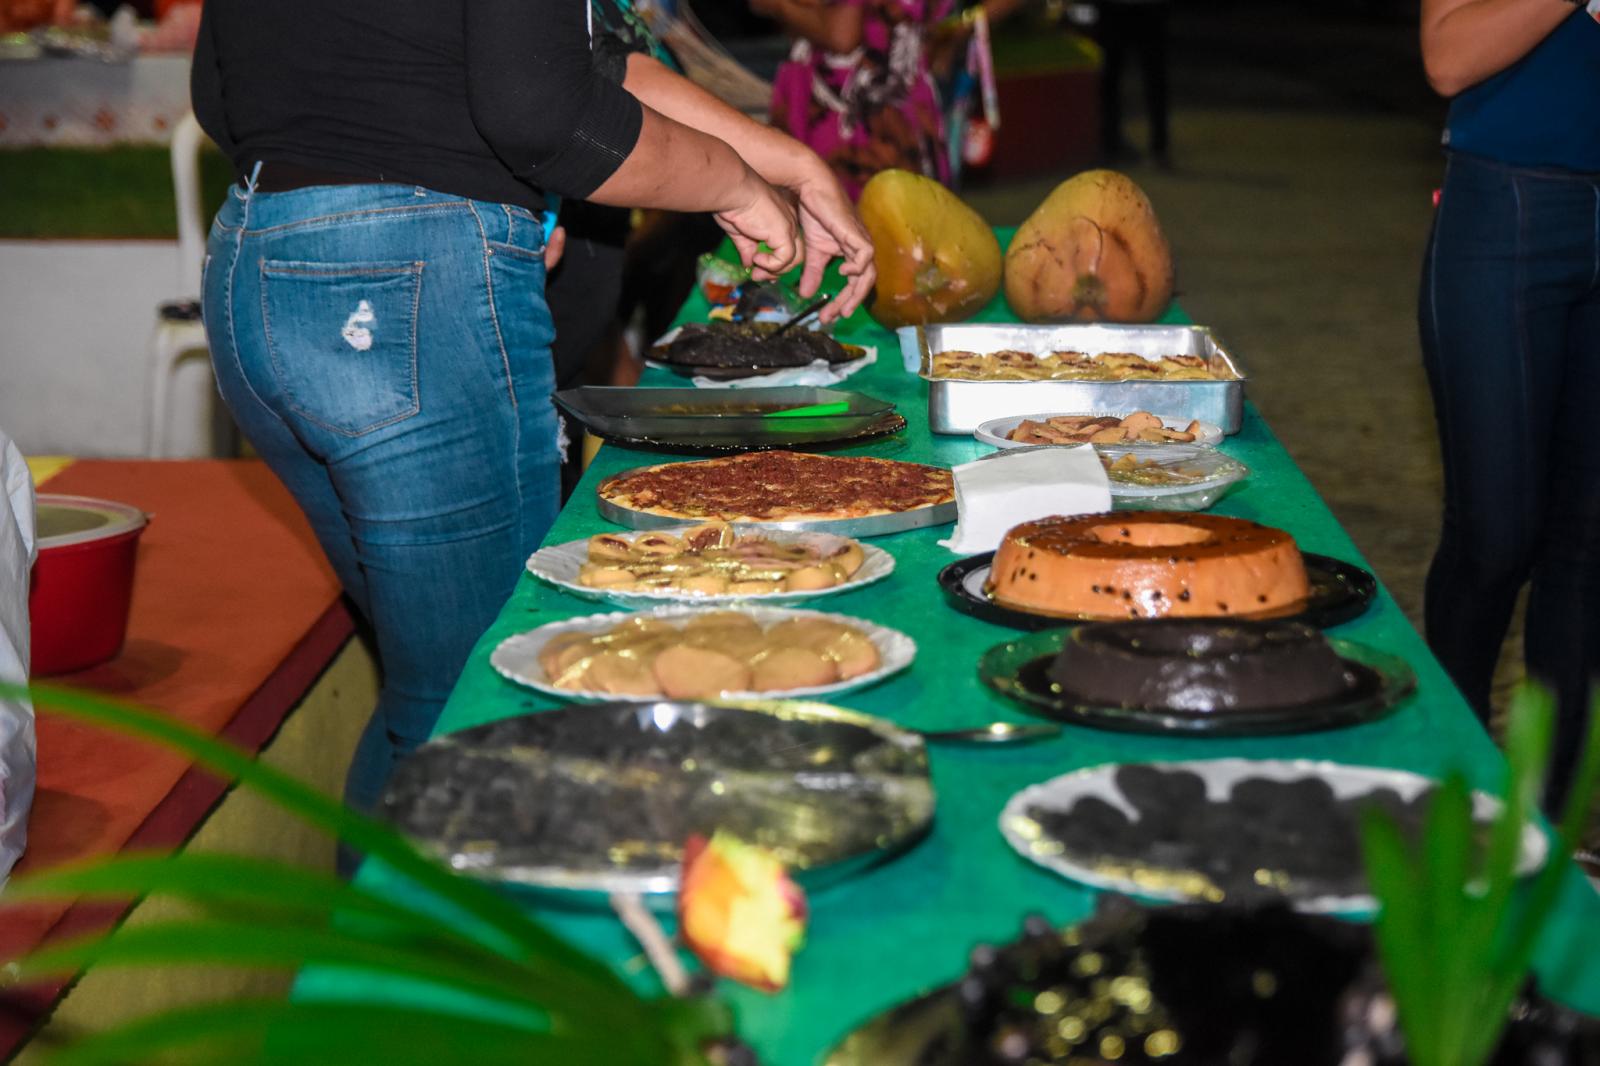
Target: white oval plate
[995,431]
[517,657]
[559,564]
[1220,775]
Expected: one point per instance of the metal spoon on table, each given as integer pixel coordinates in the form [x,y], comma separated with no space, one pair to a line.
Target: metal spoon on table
[993,733]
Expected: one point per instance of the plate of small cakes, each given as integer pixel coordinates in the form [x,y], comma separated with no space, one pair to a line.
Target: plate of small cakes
[695,654]
[710,563]
[1198,677]
[1124,565]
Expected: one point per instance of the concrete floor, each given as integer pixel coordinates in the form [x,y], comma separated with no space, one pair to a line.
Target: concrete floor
[1298,207]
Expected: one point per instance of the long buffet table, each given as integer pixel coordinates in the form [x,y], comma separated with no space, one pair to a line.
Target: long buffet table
[906,925]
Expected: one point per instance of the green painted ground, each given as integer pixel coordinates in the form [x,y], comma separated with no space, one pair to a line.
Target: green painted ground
[110,193]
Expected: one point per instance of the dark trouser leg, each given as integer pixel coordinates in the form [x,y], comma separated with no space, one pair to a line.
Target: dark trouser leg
[1113,38]
[583,293]
[1510,258]
[1153,58]
[1492,424]
[1563,631]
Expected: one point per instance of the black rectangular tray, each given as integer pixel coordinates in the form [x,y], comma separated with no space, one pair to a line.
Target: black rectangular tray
[719,417]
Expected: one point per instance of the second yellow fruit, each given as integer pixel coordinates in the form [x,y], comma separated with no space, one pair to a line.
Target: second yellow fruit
[938,260]
[1093,251]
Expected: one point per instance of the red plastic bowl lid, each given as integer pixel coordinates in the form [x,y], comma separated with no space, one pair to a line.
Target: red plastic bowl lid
[64,520]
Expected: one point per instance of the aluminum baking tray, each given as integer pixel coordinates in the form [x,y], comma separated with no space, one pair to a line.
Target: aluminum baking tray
[961,406]
[600,798]
[877,525]
[732,418]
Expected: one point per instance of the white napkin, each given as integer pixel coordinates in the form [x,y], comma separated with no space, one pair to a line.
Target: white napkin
[818,372]
[1008,488]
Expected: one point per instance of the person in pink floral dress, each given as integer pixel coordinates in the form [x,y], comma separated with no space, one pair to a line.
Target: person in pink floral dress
[857,87]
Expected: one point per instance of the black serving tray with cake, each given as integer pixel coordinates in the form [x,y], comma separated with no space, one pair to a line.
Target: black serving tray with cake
[1234,678]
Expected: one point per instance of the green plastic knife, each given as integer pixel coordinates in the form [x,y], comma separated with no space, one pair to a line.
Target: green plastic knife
[814,410]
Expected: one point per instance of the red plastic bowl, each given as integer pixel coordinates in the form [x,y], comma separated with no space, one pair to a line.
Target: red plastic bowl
[82,581]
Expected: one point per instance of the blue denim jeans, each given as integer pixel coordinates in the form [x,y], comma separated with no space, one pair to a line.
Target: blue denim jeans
[386,349]
[1510,321]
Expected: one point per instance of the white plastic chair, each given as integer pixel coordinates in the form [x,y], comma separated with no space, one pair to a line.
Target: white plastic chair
[179,332]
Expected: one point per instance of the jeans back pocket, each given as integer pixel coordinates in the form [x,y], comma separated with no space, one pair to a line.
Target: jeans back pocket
[342,338]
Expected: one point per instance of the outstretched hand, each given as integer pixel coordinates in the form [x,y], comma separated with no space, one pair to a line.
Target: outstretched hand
[832,228]
[764,216]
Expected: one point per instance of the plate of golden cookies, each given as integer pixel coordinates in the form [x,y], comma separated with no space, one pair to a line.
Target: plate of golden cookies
[695,653]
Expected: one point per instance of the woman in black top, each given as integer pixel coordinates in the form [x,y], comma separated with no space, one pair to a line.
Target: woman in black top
[374,286]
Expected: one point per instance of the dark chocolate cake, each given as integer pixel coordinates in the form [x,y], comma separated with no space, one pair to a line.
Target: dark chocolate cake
[1200,666]
[730,345]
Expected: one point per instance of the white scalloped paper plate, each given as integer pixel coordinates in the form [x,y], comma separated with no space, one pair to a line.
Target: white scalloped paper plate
[558,564]
[1026,837]
[517,657]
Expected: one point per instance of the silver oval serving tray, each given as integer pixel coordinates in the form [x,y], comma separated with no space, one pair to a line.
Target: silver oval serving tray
[600,798]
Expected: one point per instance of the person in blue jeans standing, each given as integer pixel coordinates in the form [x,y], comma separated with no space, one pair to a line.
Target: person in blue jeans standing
[1510,321]
[374,285]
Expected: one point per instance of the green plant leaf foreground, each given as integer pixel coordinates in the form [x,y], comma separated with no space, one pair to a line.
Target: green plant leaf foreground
[1447,853]
[1403,931]
[1547,886]
[245,890]
[309,1034]
[202,941]
[1455,939]
[215,880]
[1493,926]
[544,986]
[364,833]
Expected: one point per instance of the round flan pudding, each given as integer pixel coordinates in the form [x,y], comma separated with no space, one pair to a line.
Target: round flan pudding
[1199,666]
[1148,564]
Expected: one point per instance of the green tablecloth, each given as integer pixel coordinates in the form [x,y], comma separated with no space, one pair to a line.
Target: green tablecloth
[906,925]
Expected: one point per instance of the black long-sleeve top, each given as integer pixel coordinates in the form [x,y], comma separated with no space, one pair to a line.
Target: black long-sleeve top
[494,100]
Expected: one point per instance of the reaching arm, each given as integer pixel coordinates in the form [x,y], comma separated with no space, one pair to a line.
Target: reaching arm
[831,25]
[828,221]
[680,168]
[557,122]
[1466,41]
